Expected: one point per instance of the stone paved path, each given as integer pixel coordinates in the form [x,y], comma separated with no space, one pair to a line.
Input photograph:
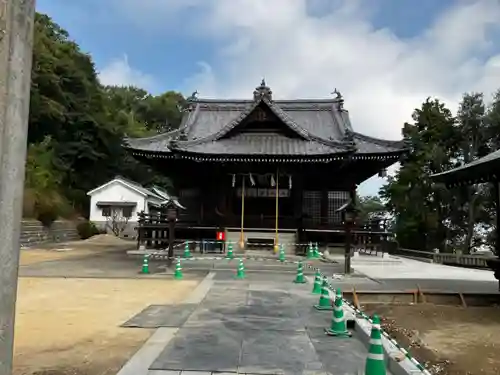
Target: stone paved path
[264,324]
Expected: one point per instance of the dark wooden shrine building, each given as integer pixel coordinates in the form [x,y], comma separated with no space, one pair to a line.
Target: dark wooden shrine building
[237,163]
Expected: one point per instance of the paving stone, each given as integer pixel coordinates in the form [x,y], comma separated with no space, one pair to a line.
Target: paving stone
[272,324]
[203,349]
[265,352]
[265,298]
[155,316]
[218,297]
[264,311]
[338,355]
[203,316]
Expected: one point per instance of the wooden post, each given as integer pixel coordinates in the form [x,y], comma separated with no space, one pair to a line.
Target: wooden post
[355,298]
[242,233]
[276,214]
[171,240]
[16,51]
[421,294]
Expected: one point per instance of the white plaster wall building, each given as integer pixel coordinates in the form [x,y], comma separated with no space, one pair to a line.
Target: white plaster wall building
[123,200]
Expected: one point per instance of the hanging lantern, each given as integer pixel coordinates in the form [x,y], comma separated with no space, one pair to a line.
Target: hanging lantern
[290,182]
[233,182]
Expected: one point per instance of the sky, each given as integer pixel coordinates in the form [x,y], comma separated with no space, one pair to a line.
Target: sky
[385,56]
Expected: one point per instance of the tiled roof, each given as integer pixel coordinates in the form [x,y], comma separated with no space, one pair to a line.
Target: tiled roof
[146,191]
[484,169]
[262,144]
[322,127]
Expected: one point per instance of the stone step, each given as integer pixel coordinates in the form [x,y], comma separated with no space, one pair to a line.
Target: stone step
[33,233]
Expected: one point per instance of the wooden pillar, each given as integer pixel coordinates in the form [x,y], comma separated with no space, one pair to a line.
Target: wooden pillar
[496,189]
[324,207]
[298,196]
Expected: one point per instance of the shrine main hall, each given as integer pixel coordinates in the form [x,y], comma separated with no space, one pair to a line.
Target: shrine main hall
[261,169]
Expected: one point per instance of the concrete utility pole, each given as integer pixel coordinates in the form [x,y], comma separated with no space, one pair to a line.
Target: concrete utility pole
[16,48]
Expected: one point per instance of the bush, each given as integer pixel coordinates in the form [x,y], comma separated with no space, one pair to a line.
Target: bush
[47,217]
[87,229]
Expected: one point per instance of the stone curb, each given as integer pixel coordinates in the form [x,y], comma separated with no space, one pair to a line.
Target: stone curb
[399,360]
[396,362]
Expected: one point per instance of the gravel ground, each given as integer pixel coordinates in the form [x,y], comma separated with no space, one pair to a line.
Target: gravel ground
[450,340]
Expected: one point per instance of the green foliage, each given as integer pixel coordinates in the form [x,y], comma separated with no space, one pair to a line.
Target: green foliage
[420,207]
[76,126]
[370,208]
[42,198]
[429,215]
[87,229]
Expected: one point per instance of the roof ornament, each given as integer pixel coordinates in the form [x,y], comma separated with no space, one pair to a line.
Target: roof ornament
[188,103]
[262,92]
[173,144]
[193,97]
[182,135]
[348,136]
[339,98]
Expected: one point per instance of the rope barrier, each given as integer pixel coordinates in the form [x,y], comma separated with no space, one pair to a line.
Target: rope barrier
[163,254]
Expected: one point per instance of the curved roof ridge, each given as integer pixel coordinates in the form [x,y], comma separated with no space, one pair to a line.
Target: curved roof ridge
[245,113]
[287,120]
[277,101]
[212,137]
[280,113]
[182,127]
[153,137]
[381,142]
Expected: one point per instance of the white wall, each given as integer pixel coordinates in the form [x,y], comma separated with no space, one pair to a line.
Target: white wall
[116,192]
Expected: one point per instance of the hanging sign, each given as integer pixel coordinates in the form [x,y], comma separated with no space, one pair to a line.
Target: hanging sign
[263,193]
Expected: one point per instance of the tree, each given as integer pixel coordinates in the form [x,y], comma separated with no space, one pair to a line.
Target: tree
[420,208]
[86,122]
[371,208]
[469,200]
[67,105]
[42,197]
[142,114]
[117,221]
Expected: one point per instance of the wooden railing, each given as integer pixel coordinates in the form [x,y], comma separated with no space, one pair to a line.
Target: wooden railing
[153,228]
[463,260]
[284,221]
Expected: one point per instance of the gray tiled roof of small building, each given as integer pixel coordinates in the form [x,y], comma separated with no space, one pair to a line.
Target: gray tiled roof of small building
[323,119]
[489,161]
[139,187]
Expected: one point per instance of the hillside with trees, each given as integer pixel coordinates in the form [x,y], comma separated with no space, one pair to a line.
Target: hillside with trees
[76,127]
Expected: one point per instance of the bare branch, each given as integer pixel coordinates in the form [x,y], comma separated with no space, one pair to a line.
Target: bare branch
[116,221]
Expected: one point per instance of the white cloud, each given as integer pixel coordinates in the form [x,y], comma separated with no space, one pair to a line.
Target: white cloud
[383,78]
[119,73]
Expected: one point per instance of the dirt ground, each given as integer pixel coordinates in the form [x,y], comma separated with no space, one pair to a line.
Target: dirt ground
[70,325]
[450,340]
[94,245]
